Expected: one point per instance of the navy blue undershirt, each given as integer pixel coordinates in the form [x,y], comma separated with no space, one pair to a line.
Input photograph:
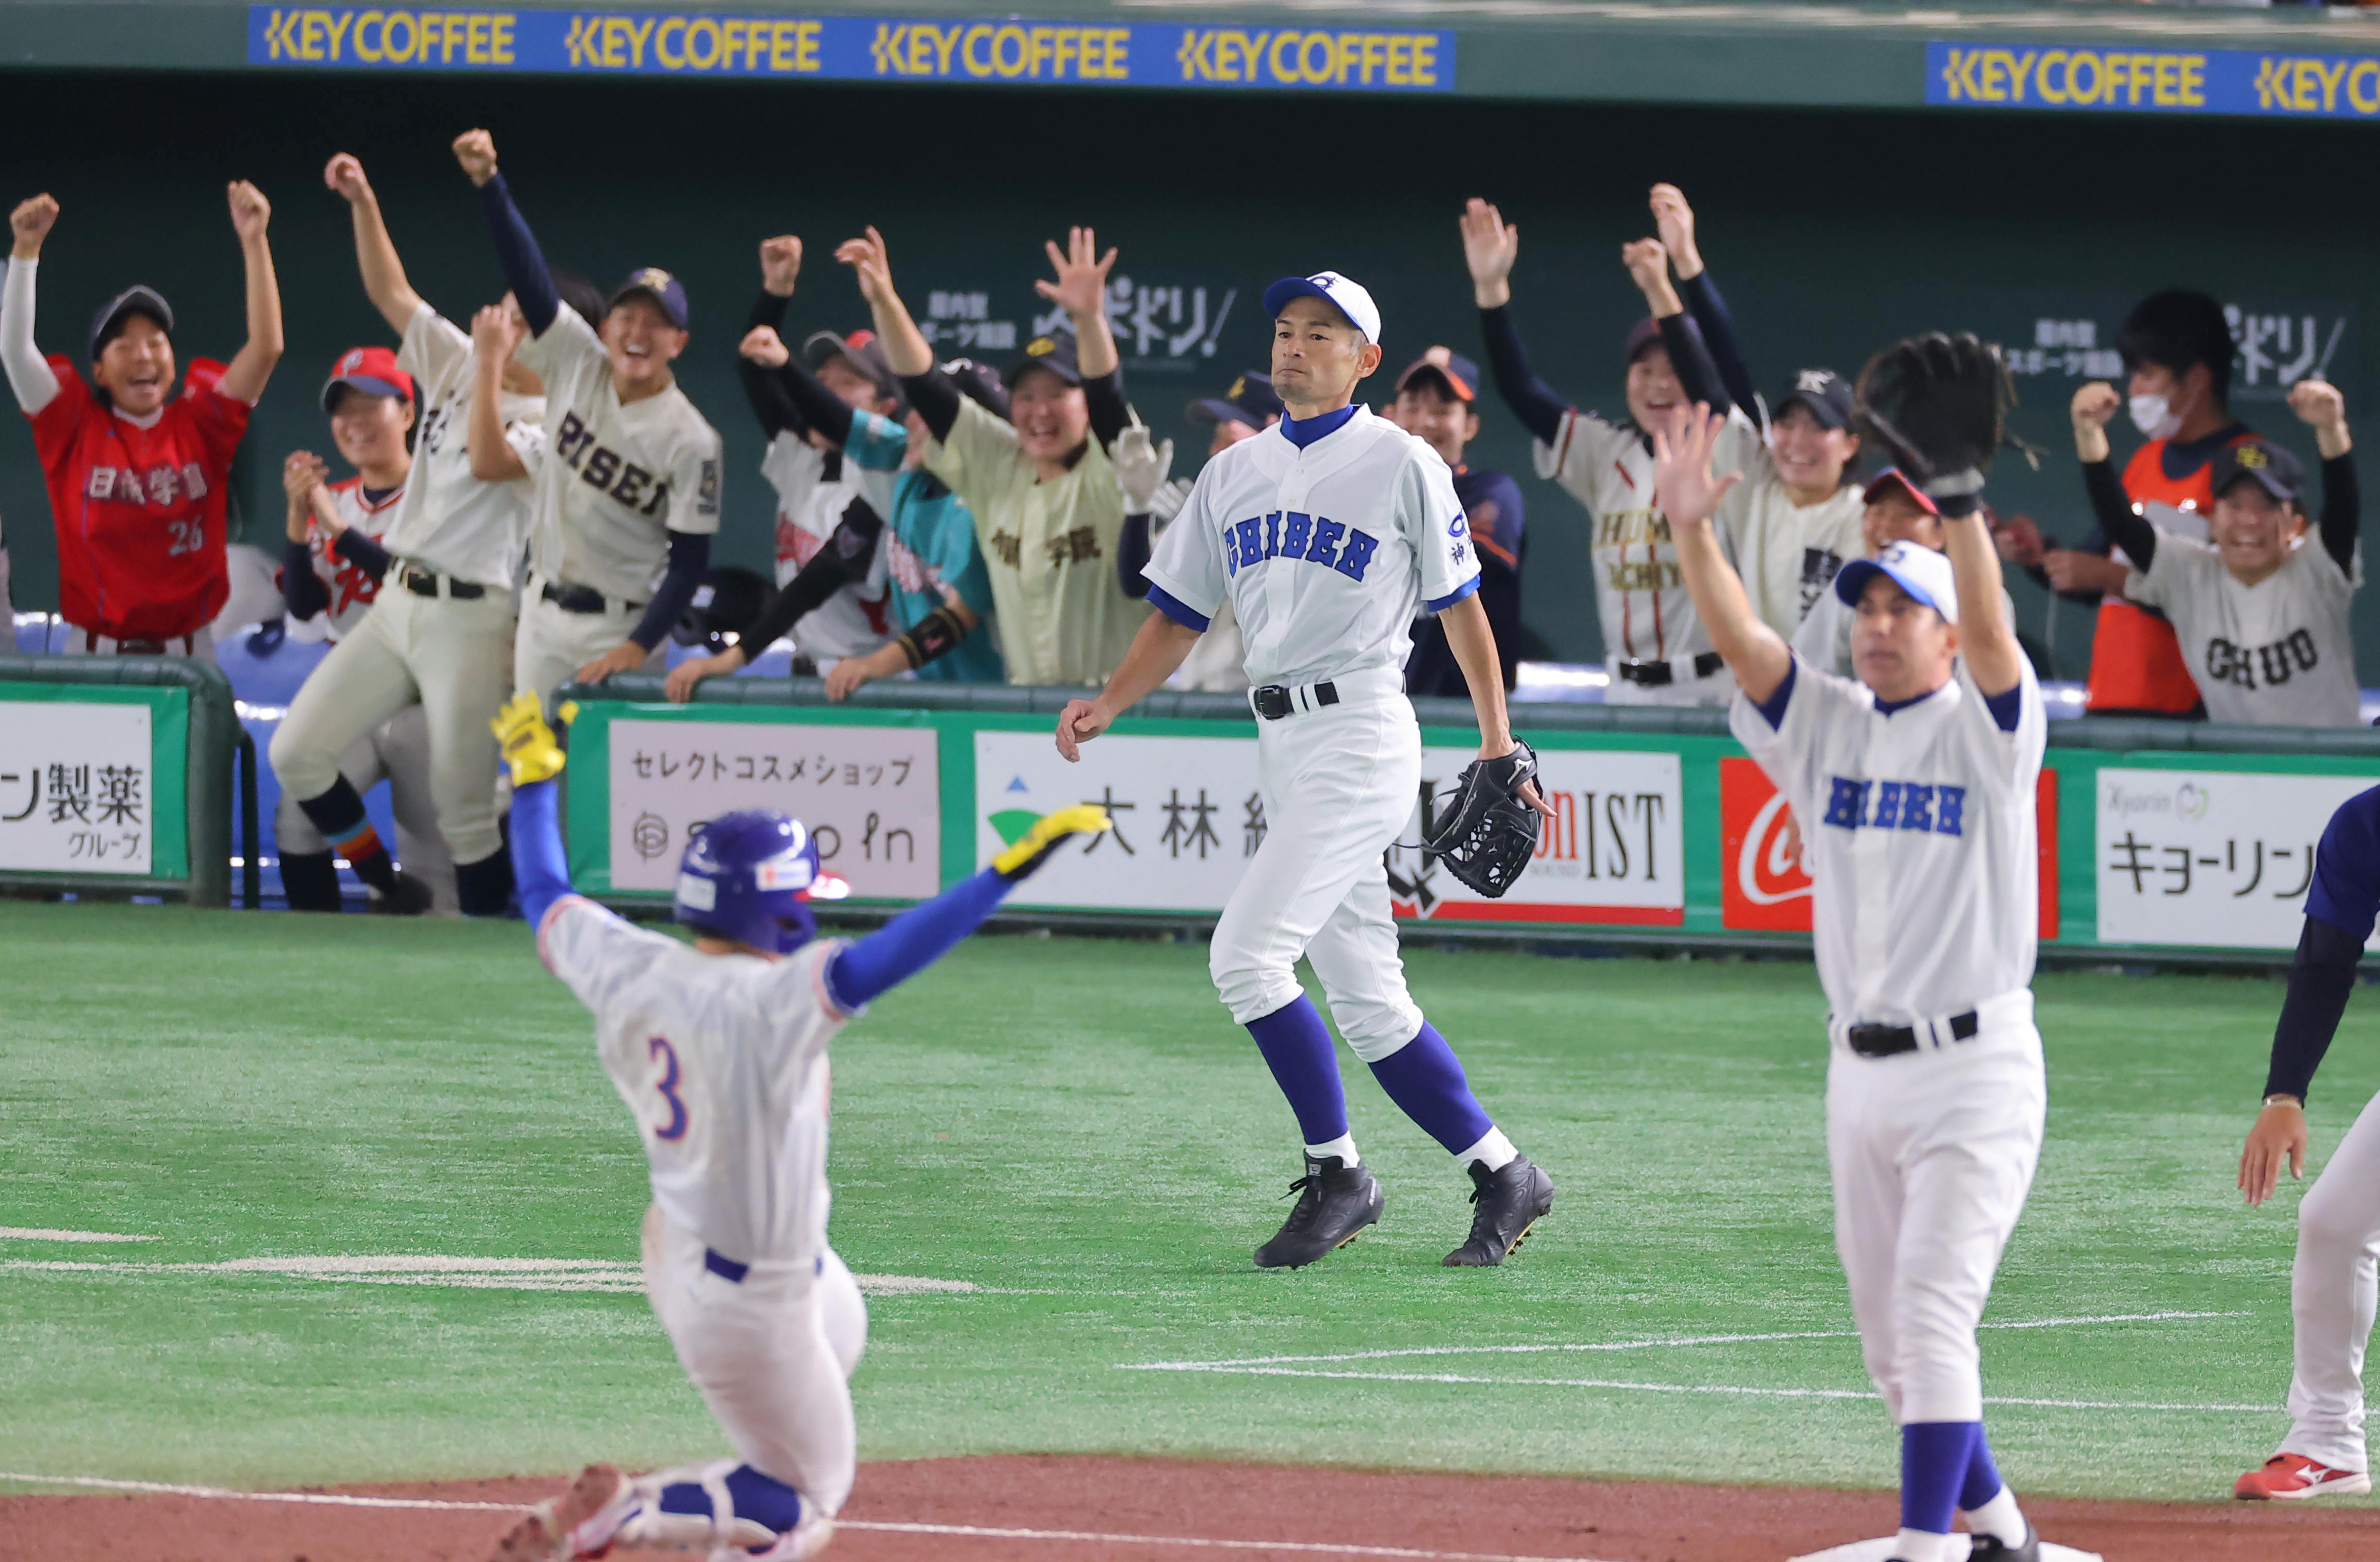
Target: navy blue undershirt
[1303,431]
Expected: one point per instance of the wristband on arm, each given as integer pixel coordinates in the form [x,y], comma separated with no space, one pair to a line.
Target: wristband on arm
[936,634]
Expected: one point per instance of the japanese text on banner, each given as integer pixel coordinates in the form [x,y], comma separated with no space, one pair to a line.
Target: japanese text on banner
[2217,858]
[75,787]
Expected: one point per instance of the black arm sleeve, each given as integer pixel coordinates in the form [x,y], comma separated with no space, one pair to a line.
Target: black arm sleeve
[690,555]
[1133,551]
[2113,508]
[2341,509]
[1103,397]
[1710,312]
[769,403]
[2320,979]
[936,399]
[364,553]
[1532,400]
[525,268]
[1697,375]
[843,560]
[819,407]
[302,591]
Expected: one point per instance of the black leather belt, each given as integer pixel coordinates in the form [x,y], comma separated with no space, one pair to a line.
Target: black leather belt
[581,598]
[1274,701]
[724,1267]
[1658,675]
[1890,1041]
[424,582]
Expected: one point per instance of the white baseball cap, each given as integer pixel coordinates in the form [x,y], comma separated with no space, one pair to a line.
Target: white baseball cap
[1914,568]
[1343,293]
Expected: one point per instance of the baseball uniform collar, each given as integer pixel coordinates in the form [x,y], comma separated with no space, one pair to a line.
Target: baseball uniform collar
[1306,432]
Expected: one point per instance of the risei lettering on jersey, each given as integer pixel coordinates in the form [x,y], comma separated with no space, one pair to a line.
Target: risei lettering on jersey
[1921,807]
[601,467]
[1294,534]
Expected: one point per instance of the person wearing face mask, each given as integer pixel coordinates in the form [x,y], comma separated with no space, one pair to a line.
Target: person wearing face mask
[1654,646]
[2176,347]
[1437,402]
[138,478]
[2260,611]
[1797,515]
[334,564]
[1044,490]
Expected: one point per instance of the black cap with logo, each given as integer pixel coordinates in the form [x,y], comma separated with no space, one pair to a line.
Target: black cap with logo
[1250,400]
[2275,469]
[1826,394]
[1057,352]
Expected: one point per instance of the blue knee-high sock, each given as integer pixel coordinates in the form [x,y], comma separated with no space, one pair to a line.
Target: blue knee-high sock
[1426,1079]
[1296,1047]
[1982,1482]
[1935,1459]
[765,1502]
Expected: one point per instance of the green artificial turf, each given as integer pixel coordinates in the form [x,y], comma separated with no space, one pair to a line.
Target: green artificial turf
[1075,1126]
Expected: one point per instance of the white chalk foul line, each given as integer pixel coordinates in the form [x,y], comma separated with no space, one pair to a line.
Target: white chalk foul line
[47,1234]
[438,1269]
[971,1532]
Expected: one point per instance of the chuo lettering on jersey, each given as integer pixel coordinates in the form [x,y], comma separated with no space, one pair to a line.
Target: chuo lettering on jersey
[1896,805]
[1294,534]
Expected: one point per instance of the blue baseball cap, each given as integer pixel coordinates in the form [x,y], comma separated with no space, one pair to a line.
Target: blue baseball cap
[1345,294]
[1914,568]
[657,284]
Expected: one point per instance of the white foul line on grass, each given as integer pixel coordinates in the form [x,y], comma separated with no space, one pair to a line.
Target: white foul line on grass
[970,1532]
[437,1269]
[46,1234]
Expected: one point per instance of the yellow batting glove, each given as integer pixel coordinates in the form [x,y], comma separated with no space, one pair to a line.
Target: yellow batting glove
[528,744]
[1034,846]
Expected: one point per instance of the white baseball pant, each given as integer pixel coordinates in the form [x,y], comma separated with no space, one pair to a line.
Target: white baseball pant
[398,753]
[771,1355]
[1932,1152]
[1338,782]
[444,657]
[552,645]
[1717,688]
[2333,1288]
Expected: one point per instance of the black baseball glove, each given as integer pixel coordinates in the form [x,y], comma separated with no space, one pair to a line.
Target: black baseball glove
[1939,404]
[1486,834]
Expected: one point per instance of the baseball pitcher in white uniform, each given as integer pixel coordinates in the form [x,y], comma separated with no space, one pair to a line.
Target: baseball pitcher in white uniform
[719,1049]
[628,488]
[1915,784]
[1324,532]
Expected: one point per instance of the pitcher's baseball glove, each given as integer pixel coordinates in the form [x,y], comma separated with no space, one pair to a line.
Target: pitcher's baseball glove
[1939,405]
[1486,834]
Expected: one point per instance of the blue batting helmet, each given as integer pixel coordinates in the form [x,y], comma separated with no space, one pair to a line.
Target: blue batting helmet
[749,875]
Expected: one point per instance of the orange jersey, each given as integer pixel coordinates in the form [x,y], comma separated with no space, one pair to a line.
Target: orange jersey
[2136,663]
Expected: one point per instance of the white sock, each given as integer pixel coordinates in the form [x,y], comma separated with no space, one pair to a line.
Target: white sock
[1344,1147]
[1917,1545]
[1493,1151]
[2000,1516]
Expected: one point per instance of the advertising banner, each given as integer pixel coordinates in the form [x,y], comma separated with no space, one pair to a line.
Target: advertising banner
[1612,849]
[77,788]
[870,795]
[2210,857]
[2295,84]
[1186,812]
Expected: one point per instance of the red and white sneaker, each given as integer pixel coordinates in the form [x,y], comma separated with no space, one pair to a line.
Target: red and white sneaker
[2294,1476]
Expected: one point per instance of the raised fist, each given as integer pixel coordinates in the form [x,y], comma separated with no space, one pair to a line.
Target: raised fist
[781,262]
[2093,404]
[249,209]
[765,348]
[345,176]
[30,224]
[475,151]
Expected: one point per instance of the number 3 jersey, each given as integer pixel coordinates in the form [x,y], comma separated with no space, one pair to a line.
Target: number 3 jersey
[1324,550]
[722,1061]
[1918,828]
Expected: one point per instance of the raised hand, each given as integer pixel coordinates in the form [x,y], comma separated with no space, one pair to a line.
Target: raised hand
[764,347]
[1674,220]
[781,262]
[869,264]
[2318,404]
[496,331]
[345,176]
[475,151]
[30,224]
[2093,404]
[1082,285]
[1683,484]
[1489,248]
[249,211]
[1648,261]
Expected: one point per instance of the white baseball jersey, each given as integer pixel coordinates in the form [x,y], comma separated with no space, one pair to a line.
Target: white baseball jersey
[352,588]
[450,521]
[1788,554]
[2278,652]
[1646,612]
[616,479]
[1323,552]
[1918,829]
[722,1059]
[858,618]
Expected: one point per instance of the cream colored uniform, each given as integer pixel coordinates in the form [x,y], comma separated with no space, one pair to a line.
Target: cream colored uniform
[723,1062]
[432,661]
[615,481]
[395,750]
[1918,828]
[1050,547]
[1788,554]
[1648,616]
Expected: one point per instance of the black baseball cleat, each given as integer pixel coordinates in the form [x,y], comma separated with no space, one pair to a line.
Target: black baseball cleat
[1991,1548]
[1505,1205]
[1335,1203]
[407,897]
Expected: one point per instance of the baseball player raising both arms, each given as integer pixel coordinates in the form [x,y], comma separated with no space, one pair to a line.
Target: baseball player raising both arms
[1915,786]
[719,1050]
[1325,531]
[627,493]
[2336,1282]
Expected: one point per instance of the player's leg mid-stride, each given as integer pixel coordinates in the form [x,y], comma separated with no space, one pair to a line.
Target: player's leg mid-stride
[1326,533]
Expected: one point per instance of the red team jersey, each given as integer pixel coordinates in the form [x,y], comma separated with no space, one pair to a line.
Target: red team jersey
[139,512]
